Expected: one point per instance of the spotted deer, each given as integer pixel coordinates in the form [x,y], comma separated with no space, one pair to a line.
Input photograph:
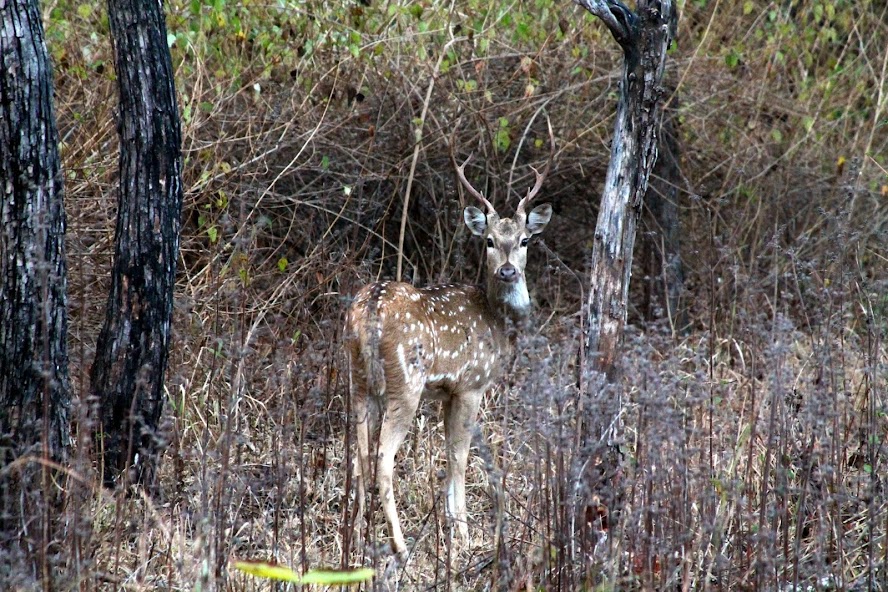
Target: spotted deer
[442,342]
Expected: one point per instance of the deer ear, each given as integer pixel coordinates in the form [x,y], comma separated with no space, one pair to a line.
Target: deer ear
[538,218]
[476,220]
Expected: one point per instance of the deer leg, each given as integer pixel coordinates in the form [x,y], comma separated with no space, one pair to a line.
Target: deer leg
[361,464]
[460,414]
[395,425]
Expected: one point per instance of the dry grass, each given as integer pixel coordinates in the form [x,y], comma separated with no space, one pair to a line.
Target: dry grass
[752,445]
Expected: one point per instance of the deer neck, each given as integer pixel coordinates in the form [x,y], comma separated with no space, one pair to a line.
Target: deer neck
[508,301]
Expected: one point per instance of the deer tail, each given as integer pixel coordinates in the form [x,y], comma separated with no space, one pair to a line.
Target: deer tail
[370,339]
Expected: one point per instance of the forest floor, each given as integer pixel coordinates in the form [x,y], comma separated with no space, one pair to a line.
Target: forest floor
[748,426]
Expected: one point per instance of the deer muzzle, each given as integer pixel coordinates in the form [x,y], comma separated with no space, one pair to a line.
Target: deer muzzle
[508,273]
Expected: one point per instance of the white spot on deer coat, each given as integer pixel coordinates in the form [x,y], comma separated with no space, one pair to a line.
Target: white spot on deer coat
[402,360]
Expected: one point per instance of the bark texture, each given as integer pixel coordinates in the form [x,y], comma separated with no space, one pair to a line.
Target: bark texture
[644,37]
[131,355]
[34,384]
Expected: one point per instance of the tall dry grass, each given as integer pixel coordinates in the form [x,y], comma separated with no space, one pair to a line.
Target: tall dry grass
[751,445]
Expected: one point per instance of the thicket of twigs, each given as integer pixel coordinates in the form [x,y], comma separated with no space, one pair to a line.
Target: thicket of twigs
[752,442]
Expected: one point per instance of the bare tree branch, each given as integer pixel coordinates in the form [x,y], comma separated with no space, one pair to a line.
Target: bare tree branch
[617,16]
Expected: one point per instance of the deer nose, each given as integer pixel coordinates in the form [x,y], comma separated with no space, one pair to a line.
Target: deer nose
[507,273]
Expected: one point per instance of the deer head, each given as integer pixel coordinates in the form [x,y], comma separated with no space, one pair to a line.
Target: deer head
[507,240]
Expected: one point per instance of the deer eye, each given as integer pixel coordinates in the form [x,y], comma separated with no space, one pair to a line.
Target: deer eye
[489,242]
[524,242]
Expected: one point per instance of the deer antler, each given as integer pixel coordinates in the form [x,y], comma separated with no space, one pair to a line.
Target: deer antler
[461,173]
[519,211]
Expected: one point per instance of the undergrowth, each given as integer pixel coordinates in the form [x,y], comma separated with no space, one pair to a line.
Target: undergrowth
[751,442]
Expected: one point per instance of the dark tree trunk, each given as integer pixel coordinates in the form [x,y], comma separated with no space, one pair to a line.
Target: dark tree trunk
[34,386]
[644,37]
[663,265]
[131,354]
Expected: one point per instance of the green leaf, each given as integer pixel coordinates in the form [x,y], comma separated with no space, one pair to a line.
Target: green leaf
[84,10]
[282,264]
[748,7]
[308,47]
[213,233]
[522,31]
[323,577]
[268,571]
[325,162]
[501,139]
[777,135]
[335,577]
[732,59]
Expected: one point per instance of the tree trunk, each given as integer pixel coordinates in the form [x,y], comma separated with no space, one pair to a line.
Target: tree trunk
[131,355]
[644,37]
[34,385]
